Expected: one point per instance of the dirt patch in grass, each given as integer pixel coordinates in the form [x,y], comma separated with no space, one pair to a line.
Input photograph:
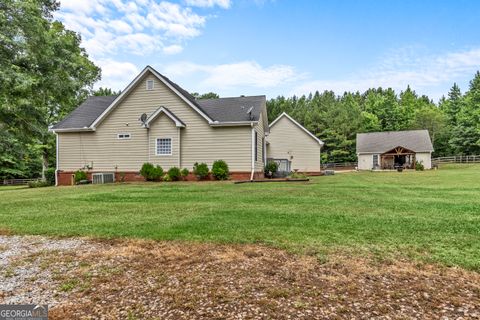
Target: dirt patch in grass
[170,280]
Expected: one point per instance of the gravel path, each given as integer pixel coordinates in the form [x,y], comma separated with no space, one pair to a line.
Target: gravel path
[87,279]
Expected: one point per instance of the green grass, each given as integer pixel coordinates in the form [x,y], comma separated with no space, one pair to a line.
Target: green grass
[431,215]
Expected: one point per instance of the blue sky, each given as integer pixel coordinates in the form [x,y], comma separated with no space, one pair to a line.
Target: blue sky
[250,47]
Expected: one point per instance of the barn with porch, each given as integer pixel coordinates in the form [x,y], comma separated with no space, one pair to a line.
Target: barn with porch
[393,149]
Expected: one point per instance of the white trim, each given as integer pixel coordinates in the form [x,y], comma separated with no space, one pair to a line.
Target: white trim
[167,113]
[253,153]
[163,154]
[179,149]
[56,160]
[298,124]
[126,136]
[72,130]
[146,84]
[232,123]
[133,84]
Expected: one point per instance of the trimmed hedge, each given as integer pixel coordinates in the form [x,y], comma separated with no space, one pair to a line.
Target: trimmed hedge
[174,173]
[150,172]
[200,170]
[220,170]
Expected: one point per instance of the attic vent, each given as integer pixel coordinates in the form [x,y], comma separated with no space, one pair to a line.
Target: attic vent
[149,84]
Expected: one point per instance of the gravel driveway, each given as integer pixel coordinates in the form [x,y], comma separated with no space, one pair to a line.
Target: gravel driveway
[88,279]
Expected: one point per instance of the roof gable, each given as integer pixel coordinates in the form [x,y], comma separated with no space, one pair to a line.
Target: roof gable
[380,142]
[298,125]
[163,110]
[183,94]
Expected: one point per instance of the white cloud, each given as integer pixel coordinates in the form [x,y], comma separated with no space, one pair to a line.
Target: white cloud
[404,67]
[209,3]
[240,74]
[116,74]
[173,49]
[109,27]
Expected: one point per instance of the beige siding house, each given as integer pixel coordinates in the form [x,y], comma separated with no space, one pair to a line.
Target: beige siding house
[393,149]
[155,120]
[292,146]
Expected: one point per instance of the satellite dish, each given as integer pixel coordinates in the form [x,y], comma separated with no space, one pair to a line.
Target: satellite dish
[143,117]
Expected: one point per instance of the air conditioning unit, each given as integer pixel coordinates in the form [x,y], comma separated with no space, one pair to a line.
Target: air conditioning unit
[103,177]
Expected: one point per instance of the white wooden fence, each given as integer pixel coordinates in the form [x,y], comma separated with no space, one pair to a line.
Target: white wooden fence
[457,159]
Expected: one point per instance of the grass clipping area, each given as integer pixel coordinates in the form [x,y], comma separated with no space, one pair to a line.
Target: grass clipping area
[431,216]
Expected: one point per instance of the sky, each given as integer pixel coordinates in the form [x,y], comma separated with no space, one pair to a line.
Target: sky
[253,47]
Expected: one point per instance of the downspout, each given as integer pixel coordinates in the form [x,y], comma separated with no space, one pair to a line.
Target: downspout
[253,153]
[179,148]
[56,160]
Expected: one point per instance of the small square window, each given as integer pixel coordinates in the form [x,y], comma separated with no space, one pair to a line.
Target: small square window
[164,146]
[149,84]
[123,136]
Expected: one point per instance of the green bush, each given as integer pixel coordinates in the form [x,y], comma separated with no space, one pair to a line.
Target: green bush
[297,175]
[200,170]
[184,173]
[39,184]
[270,169]
[50,176]
[174,173]
[80,175]
[150,172]
[166,178]
[419,166]
[220,170]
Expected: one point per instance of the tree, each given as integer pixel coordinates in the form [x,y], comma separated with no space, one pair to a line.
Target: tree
[44,72]
[466,131]
[209,95]
[452,106]
[105,92]
[435,121]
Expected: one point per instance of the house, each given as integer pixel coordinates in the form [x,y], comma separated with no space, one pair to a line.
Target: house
[155,120]
[292,146]
[388,150]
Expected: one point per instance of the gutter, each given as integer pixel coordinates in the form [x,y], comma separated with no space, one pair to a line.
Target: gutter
[253,153]
[72,130]
[233,123]
[56,159]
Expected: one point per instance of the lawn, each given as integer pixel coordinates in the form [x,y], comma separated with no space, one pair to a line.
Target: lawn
[431,216]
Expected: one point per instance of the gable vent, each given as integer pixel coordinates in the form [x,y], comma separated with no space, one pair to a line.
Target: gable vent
[149,84]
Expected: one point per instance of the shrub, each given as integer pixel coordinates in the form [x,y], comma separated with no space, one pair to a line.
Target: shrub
[200,170]
[174,173]
[184,173]
[80,175]
[166,178]
[220,170]
[150,172]
[50,176]
[297,175]
[270,169]
[38,184]
[419,166]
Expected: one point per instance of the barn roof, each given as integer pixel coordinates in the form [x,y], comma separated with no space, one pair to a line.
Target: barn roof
[380,142]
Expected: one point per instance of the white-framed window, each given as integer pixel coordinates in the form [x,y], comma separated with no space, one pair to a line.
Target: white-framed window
[149,84]
[164,147]
[123,136]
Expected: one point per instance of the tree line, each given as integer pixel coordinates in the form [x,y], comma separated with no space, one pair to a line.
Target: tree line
[453,123]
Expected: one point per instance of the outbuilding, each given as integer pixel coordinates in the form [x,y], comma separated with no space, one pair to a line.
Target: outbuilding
[393,149]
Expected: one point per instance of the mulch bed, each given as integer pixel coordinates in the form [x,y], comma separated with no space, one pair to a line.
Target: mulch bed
[170,280]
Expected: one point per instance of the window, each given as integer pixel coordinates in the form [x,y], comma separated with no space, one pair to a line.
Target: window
[164,146]
[256,146]
[123,136]
[375,160]
[149,84]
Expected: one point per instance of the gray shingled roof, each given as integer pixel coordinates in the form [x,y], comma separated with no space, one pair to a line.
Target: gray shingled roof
[380,142]
[85,114]
[233,109]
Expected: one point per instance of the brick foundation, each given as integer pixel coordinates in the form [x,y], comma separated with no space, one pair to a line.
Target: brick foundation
[65,178]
